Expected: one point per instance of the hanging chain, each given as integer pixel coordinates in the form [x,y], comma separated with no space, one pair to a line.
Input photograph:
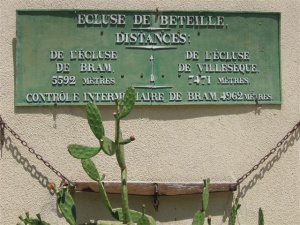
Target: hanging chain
[31,150]
[272,151]
[59,174]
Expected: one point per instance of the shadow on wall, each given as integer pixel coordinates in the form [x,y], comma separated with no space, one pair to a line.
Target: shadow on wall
[172,208]
[90,206]
[177,208]
[270,163]
[31,169]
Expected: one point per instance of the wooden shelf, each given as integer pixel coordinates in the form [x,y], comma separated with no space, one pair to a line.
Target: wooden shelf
[163,188]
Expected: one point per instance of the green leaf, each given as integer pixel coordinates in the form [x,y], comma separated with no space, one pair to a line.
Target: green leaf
[90,168]
[125,141]
[67,205]
[83,152]
[128,103]
[261,220]
[134,215]
[199,218]
[95,120]
[205,195]
[233,213]
[143,220]
[108,146]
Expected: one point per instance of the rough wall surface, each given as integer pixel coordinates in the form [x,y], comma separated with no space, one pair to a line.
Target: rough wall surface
[179,144]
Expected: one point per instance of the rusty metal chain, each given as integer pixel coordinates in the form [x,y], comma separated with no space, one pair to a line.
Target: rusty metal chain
[4,125]
[272,151]
[59,174]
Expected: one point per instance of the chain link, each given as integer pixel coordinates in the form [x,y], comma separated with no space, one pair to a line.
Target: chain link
[272,151]
[31,150]
[59,174]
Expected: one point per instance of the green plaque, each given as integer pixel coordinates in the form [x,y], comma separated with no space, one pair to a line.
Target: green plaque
[69,57]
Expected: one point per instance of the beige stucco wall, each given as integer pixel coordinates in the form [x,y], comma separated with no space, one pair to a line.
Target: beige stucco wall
[174,143]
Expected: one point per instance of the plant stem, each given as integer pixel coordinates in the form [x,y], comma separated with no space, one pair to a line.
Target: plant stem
[105,198]
[125,207]
[121,161]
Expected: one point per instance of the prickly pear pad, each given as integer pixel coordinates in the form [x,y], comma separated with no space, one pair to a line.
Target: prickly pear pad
[90,168]
[66,205]
[95,120]
[128,103]
[108,146]
[83,152]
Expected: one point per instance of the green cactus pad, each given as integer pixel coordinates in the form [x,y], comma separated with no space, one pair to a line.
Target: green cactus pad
[66,205]
[108,146]
[261,220]
[95,120]
[205,195]
[199,218]
[90,168]
[83,152]
[128,103]
[234,209]
[125,141]
[143,221]
[134,215]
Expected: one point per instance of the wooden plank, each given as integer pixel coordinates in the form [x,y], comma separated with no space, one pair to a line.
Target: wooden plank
[147,188]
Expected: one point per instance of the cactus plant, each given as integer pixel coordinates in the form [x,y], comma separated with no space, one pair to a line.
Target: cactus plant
[83,152]
[127,103]
[65,202]
[116,147]
[95,120]
[143,220]
[233,213]
[90,168]
[199,217]
[261,220]
[110,147]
